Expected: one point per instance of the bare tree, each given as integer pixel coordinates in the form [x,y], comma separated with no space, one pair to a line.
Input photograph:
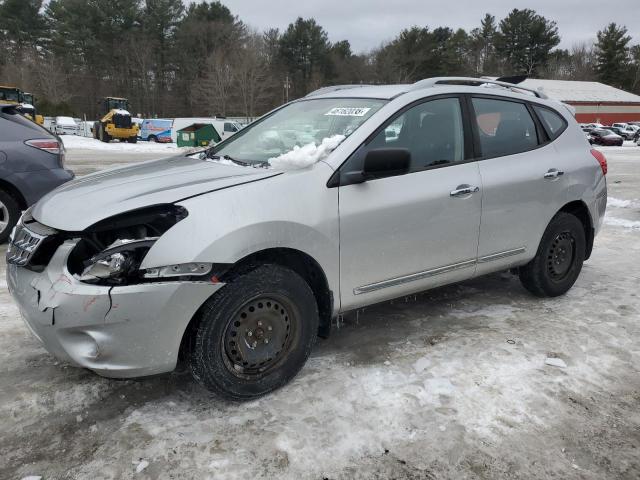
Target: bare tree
[215,85]
[250,73]
[53,82]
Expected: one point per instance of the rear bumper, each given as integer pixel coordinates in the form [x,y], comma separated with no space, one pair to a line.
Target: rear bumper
[119,332]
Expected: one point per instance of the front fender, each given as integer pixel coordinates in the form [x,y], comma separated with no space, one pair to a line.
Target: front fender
[295,210]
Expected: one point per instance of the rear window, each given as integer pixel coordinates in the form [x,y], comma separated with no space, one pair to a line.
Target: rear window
[504,127]
[552,121]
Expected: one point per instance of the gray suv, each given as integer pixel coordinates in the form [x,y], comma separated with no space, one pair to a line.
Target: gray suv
[237,258]
[31,165]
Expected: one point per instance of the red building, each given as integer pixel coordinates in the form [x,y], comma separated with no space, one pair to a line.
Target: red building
[594,102]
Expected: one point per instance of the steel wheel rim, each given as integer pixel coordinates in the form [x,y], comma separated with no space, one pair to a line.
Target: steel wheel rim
[4,217]
[260,336]
[561,256]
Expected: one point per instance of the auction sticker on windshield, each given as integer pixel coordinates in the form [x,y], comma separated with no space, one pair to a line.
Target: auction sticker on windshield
[348,112]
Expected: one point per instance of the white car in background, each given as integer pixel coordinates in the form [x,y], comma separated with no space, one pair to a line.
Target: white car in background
[65,126]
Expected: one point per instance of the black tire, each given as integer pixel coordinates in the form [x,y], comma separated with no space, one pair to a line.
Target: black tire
[559,258]
[132,139]
[9,215]
[103,135]
[272,305]
[152,138]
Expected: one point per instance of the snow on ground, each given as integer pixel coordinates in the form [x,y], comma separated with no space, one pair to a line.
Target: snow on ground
[86,143]
[477,380]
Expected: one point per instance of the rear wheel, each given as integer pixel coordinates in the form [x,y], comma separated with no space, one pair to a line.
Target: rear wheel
[132,140]
[152,138]
[558,262]
[255,334]
[9,215]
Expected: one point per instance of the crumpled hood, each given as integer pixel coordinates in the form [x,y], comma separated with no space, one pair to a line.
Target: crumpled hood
[80,203]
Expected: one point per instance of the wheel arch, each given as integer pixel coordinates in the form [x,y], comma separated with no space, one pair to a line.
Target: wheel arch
[300,262]
[579,209]
[12,190]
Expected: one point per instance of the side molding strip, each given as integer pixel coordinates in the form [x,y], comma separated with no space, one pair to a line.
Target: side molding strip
[393,282]
[499,255]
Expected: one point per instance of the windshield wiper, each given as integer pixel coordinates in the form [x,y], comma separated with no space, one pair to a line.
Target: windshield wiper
[255,164]
[231,159]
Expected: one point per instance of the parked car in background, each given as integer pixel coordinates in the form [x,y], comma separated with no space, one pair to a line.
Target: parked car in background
[31,165]
[65,126]
[625,134]
[602,136]
[156,130]
[238,257]
[594,125]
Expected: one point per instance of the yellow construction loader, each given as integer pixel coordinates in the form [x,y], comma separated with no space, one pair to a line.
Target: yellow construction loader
[29,108]
[15,96]
[115,121]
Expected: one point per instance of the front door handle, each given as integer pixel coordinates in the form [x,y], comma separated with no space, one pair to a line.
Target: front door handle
[553,173]
[463,190]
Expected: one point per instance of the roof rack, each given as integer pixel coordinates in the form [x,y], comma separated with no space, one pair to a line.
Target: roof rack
[432,82]
[334,88]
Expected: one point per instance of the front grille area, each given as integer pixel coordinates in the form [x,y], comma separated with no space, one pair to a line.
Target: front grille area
[122,121]
[23,246]
[32,244]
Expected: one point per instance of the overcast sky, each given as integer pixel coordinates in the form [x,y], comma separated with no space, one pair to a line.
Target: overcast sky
[368,23]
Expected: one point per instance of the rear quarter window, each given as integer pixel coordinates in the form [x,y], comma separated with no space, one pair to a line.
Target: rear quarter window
[552,121]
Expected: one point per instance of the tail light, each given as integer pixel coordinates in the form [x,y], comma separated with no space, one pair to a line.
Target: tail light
[48,145]
[602,160]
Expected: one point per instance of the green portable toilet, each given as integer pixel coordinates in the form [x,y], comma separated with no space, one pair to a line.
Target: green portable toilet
[197,135]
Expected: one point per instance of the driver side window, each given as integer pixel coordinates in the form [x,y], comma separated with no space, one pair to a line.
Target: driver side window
[432,131]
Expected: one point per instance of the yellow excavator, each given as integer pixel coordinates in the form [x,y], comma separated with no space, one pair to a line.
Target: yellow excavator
[115,121]
[15,96]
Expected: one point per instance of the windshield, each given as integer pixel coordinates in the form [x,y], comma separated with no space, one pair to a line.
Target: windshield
[301,126]
[118,104]
[10,94]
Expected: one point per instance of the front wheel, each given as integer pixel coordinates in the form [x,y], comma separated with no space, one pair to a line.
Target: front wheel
[558,262]
[255,334]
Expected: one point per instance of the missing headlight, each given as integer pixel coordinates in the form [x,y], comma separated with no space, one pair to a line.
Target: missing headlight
[111,251]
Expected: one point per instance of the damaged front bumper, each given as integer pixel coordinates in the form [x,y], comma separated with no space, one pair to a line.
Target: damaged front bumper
[120,332]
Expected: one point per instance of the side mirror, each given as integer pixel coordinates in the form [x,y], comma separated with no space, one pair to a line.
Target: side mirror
[386,162]
[380,163]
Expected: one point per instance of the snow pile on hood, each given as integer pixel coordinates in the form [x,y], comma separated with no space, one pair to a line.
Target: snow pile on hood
[301,157]
[120,111]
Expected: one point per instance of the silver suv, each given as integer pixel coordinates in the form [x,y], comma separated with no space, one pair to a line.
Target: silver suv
[238,258]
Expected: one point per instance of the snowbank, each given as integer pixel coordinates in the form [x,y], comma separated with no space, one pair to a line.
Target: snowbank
[301,157]
[73,142]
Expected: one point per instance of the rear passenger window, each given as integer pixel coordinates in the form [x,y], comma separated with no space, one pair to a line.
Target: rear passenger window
[504,127]
[552,121]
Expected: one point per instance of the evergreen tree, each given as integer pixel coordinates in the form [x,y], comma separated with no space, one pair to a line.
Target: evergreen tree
[525,40]
[304,50]
[612,55]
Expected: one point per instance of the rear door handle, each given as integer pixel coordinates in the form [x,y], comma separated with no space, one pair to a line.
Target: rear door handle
[553,173]
[463,190]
